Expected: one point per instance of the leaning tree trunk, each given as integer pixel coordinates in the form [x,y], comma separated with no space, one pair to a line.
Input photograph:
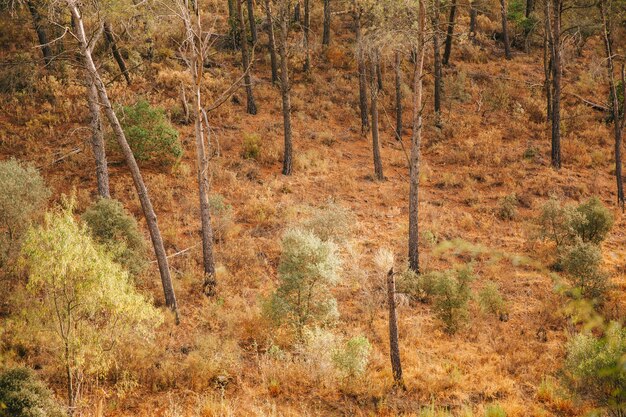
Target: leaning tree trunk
[361,68]
[394,346]
[252,21]
[326,32]
[245,61]
[142,191]
[416,139]
[378,164]
[307,29]
[41,33]
[450,32]
[272,41]
[110,38]
[556,84]
[97,139]
[284,88]
[505,30]
[437,63]
[398,70]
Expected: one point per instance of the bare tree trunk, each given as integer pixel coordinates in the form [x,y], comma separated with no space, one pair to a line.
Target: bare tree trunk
[505,30]
[252,21]
[296,12]
[473,15]
[379,75]
[398,70]
[618,119]
[41,33]
[272,40]
[361,68]
[448,48]
[547,61]
[233,23]
[394,347]
[110,38]
[307,29]
[285,87]
[142,191]
[556,84]
[245,61]
[437,62]
[378,164]
[416,139]
[326,33]
[530,7]
[97,140]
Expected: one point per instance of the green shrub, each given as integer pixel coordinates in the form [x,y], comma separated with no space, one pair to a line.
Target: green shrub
[353,357]
[596,367]
[251,147]
[150,134]
[308,267]
[581,264]
[494,410]
[331,222]
[555,222]
[115,228]
[419,287]
[490,299]
[23,193]
[221,216]
[22,394]
[594,223]
[451,294]
[508,207]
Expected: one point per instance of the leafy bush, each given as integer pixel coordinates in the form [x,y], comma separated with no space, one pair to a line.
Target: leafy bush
[596,367]
[251,147]
[581,264]
[494,410]
[221,216]
[594,223]
[115,228]
[508,207]
[451,294]
[555,222]
[308,267]
[353,357]
[150,134]
[490,299]
[22,394]
[331,222]
[23,194]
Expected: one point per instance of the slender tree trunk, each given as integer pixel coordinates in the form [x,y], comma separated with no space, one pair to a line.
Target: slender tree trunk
[547,60]
[252,21]
[473,15]
[307,28]
[398,70]
[437,62]
[379,75]
[618,119]
[556,84]
[285,87]
[361,68]
[41,33]
[272,41]
[394,347]
[530,7]
[416,139]
[448,48]
[97,140]
[505,30]
[233,23]
[110,38]
[245,61]
[296,12]
[142,191]
[378,164]
[326,32]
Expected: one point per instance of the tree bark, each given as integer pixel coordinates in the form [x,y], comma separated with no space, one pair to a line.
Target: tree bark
[378,165]
[245,61]
[437,62]
[394,347]
[547,61]
[448,48]
[97,139]
[473,15]
[326,32]
[505,30]
[110,38]
[362,70]
[272,41]
[142,191]
[379,75]
[285,87]
[398,70]
[530,7]
[556,84]
[46,51]
[252,21]
[307,28]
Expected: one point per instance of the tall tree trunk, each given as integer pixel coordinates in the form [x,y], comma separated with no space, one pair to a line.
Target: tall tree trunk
[398,70]
[296,12]
[505,30]
[326,33]
[245,61]
[285,87]
[233,23]
[530,7]
[394,347]
[252,21]
[618,118]
[556,84]
[272,40]
[379,75]
[473,15]
[110,38]
[448,49]
[437,62]
[142,191]
[378,164]
[97,139]
[416,139]
[41,33]
[307,29]
[547,60]
[361,68]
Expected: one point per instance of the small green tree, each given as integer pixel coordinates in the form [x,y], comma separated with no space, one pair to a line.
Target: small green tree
[23,193]
[308,268]
[594,223]
[115,228]
[22,394]
[581,264]
[352,358]
[81,299]
[491,300]
[451,293]
[150,134]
